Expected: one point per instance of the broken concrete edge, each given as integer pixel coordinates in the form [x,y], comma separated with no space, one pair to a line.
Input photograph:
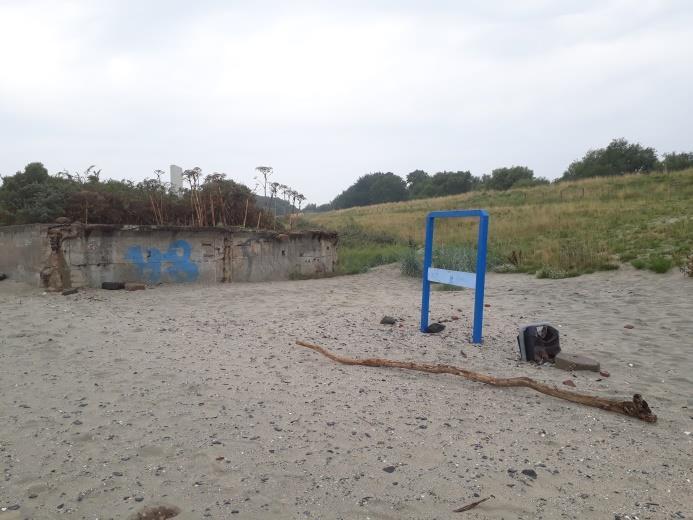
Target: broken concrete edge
[261,233]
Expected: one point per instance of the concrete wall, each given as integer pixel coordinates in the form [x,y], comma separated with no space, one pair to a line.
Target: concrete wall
[153,254]
[23,251]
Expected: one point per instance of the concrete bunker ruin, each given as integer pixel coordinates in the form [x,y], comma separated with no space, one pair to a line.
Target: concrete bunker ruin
[64,255]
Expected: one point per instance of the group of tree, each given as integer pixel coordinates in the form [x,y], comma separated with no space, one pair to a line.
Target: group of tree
[279,198]
[621,157]
[618,158]
[34,195]
[379,187]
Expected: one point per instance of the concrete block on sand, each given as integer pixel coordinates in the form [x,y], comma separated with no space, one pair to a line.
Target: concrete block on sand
[133,286]
[566,361]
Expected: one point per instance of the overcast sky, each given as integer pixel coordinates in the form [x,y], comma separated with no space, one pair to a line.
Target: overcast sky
[327,91]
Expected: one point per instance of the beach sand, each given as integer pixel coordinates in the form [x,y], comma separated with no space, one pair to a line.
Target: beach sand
[197,397]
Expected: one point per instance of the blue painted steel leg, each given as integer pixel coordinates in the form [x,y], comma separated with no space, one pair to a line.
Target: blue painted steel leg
[480,279]
[426,284]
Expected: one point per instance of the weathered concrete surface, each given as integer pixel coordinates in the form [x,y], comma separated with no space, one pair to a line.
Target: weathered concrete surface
[24,251]
[566,361]
[73,255]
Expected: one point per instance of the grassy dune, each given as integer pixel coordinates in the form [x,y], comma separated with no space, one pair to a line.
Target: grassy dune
[557,230]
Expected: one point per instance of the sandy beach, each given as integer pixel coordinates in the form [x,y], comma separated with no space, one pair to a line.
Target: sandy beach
[197,397]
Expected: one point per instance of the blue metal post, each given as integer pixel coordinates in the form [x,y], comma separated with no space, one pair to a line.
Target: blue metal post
[426,284]
[480,278]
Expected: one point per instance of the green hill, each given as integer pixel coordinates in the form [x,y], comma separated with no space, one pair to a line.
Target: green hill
[556,230]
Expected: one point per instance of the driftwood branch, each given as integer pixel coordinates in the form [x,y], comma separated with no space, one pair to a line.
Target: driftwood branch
[472,505]
[637,408]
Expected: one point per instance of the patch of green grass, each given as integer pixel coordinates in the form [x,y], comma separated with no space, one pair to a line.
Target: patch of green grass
[639,263]
[656,263]
[556,274]
[660,264]
[410,263]
[446,287]
[455,258]
[358,259]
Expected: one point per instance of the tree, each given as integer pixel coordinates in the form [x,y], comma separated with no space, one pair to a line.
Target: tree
[506,178]
[274,189]
[374,188]
[417,182]
[193,177]
[677,161]
[265,172]
[618,158]
[421,185]
[34,196]
[451,183]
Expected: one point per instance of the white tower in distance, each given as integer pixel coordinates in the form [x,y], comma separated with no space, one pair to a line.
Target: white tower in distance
[176,178]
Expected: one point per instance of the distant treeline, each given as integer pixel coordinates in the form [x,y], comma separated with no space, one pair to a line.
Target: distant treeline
[618,158]
[33,196]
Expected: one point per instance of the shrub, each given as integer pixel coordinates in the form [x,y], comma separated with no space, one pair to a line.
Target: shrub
[657,263]
[410,263]
[639,263]
[660,264]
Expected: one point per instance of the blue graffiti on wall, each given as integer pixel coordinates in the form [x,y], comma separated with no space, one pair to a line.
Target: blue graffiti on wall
[175,263]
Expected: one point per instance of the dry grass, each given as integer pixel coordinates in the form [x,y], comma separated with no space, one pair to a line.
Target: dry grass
[567,228]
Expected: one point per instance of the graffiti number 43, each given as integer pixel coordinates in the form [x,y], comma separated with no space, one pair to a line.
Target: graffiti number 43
[174,264]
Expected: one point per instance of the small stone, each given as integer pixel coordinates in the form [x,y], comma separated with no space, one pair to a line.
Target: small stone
[117,473]
[33,495]
[454,317]
[566,361]
[388,320]
[139,499]
[434,328]
[77,422]
[134,286]
[13,507]
[389,469]
[567,382]
[604,373]
[68,292]
[530,473]
[628,326]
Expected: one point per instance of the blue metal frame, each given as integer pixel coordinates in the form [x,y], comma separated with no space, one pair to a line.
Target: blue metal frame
[472,280]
